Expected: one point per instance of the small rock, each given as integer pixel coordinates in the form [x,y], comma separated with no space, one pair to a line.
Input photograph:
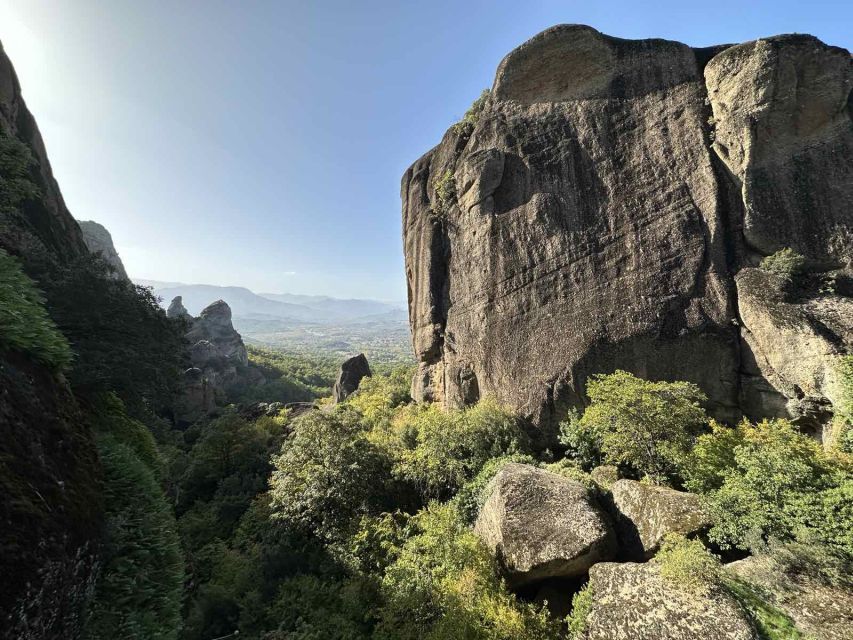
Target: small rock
[542,525]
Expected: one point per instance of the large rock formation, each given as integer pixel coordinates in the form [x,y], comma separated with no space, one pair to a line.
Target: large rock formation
[633,602]
[98,240]
[44,223]
[542,525]
[219,358]
[596,213]
[351,373]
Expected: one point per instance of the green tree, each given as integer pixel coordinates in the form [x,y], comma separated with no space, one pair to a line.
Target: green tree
[647,425]
[329,473]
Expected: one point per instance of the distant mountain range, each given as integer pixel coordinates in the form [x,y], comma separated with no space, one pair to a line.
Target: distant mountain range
[283,306]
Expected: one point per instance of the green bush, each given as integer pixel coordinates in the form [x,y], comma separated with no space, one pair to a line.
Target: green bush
[445,192]
[445,449]
[770,622]
[328,474]
[647,425]
[444,584]
[378,396]
[16,185]
[785,263]
[138,592]
[472,116]
[688,564]
[582,603]
[24,323]
[843,419]
[768,481]
[583,444]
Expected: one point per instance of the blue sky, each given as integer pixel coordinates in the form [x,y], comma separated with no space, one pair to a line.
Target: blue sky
[261,143]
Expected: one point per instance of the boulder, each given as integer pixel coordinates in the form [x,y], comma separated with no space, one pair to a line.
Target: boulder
[604,199]
[633,602]
[542,525]
[350,375]
[646,513]
[98,240]
[818,609]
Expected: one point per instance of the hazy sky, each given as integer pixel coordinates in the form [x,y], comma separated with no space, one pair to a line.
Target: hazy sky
[262,143]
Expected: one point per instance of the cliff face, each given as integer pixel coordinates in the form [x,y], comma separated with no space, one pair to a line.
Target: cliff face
[45,220]
[595,214]
[98,240]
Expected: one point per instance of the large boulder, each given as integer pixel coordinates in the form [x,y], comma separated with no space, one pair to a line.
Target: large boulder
[594,225]
[646,513]
[177,309]
[542,525]
[98,240]
[818,609]
[633,602]
[350,375]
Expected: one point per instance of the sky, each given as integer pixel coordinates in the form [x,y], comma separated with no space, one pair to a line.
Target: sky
[261,144]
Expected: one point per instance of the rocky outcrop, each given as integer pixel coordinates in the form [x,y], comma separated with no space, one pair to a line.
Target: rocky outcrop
[98,240]
[542,525]
[44,223]
[349,377]
[646,513]
[219,358]
[818,609]
[177,310]
[633,602]
[602,203]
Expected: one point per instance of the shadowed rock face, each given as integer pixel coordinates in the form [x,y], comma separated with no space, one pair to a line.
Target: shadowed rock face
[351,373]
[597,224]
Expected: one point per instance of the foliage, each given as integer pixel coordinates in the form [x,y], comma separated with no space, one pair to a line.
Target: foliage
[769,481]
[583,444]
[123,340]
[445,192]
[328,473]
[582,603]
[138,593]
[24,323]
[647,425]
[472,116]
[378,396]
[688,564]
[109,416]
[16,185]
[446,449]
[572,470]
[444,584]
[290,377]
[844,405]
[785,263]
[770,622]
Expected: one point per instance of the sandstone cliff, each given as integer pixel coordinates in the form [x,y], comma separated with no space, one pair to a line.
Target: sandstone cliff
[594,215]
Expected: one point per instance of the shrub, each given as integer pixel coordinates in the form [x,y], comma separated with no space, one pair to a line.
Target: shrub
[138,593]
[328,474]
[647,425]
[109,417]
[24,323]
[444,584]
[688,564]
[843,419]
[379,395]
[472,116]
[445,192]
[16,185]
[446,449]
[769,481]
[572,470]
[785,263]
[583,443]
[582,603]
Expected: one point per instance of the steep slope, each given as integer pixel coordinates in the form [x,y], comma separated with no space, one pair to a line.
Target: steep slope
[98,240]
[593,214]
